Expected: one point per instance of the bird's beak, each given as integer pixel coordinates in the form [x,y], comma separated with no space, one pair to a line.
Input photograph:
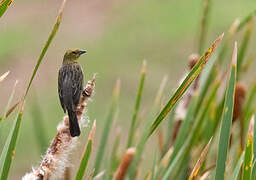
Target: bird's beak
[82,52]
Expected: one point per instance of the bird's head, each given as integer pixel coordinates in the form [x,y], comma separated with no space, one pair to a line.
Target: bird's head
[72,55]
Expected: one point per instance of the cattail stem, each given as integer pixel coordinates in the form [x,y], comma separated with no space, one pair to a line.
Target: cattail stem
[56,159]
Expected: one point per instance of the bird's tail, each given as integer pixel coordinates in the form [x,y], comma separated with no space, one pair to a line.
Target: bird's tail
[73,124]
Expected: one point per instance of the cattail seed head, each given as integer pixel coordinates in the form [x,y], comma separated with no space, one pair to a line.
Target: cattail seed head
[124,165]
[240,94]
[56,159]
[192,60]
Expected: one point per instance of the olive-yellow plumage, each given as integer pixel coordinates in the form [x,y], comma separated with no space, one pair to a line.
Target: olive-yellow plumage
[70,85]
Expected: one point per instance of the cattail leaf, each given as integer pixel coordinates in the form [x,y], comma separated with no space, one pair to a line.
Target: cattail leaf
[107,126]
[8,152]
[38,123]
[248,157]
[254,140]
[113,158]
[238,167]
[186,125]
[4,4]
[200,161]
[226,120]
[84,161]
[46,46]
[7,112]
[253,170]
[246,20]
[86,154]
[243,47]
[142,142]
[193,133]
[137,106]
[227,42]
[176,159]
[249,102]
[204,24]
[185,84]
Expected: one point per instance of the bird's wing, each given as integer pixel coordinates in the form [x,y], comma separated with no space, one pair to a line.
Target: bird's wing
[77,84]
[61,78]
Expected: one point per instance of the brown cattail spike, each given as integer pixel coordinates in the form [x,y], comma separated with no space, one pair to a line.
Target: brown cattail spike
[125,162]
[240,93]
[192,60]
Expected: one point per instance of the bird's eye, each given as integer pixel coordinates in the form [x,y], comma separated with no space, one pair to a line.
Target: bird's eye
[73,52]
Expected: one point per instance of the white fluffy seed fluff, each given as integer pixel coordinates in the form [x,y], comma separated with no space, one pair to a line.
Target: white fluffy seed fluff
[56,158]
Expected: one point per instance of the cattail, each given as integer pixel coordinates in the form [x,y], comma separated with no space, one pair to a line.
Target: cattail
[56,159]
[240,93]
[193,59]
[160,136]
[124,165]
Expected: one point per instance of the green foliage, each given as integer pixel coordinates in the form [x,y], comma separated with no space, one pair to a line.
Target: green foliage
[208,113]
[107,127]
[137,105]
[4,5]
[8,152]
[10,144]
[84,161]
[226,121]
[238,167]
[185,84]
[46,46]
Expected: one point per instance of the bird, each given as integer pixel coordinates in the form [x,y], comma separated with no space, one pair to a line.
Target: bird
[70,86]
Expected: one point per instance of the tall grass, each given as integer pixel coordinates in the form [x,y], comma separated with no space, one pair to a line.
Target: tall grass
[190,147]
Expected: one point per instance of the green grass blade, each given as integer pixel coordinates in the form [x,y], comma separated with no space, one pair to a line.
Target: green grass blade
[185,84]
[38,123]
[249,101]
[238,167]
[107,126]
[227,42]
[153,168]
[114,161]
[9,101]
[254,140]
[143,139]
[46,46]
[84,161]
[253,170]
[244,46]
[186,125]
[8,152]
[176,159]
[248,157]
[200,161]
[226,121]
[208,76]
[4,5]
[246,20]
[191,139]
[137,105]
[86,154]
[204,23]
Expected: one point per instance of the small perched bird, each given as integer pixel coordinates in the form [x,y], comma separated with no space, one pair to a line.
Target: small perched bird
[70,85]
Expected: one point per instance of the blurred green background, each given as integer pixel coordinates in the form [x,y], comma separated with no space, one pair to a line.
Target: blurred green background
[118,36]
